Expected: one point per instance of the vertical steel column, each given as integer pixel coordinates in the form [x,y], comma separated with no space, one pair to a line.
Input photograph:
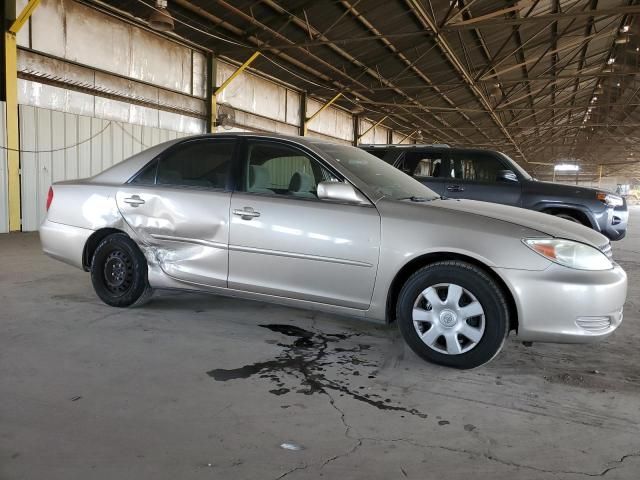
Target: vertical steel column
[211,78]
[356,129]
[11,95]
[303,113]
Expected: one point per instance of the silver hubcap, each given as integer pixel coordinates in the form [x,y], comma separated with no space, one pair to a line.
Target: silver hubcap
[448,318]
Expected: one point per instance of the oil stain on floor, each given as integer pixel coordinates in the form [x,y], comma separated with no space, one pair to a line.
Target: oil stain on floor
[305,360]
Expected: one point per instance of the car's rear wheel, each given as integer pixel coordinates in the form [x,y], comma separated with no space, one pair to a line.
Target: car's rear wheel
[454,314]
[119,272]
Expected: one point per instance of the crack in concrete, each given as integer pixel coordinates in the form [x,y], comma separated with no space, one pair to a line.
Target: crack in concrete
[496,459]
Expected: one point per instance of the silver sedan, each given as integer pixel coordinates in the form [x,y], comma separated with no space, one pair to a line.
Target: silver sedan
[327,227]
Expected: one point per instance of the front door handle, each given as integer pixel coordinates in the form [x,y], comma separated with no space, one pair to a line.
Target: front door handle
[247,213]
[455,188]
[134,200]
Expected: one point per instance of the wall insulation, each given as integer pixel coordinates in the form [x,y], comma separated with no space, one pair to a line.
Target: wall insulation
[376,135]
[400,138]
[332,122]
[84,146]
[72,31]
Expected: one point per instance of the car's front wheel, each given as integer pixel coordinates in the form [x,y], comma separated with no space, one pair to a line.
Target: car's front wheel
[454,314]
[119,272]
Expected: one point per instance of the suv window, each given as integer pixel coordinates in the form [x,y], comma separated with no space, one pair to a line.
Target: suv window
[197,163]
[475,167]
[423,165]
[283,170]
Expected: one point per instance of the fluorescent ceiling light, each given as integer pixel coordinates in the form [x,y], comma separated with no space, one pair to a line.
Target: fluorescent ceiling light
[566,167]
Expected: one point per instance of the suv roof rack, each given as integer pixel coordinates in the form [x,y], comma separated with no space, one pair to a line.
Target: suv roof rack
[405,145]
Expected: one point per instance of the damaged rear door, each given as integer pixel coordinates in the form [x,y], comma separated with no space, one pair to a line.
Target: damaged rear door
[178,206]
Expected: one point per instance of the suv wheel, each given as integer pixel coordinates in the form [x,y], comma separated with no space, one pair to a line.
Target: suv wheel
[452,313]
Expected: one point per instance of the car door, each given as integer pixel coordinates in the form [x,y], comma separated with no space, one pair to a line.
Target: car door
[285,241]
[426,167]
[179,207]
[475,175]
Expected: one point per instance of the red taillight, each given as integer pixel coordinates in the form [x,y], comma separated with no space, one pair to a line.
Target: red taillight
[49,198]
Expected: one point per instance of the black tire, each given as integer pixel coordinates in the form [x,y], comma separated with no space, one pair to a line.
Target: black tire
[119,272]
[486,292]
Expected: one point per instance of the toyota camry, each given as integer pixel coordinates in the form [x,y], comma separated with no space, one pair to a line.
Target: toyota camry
[327,227]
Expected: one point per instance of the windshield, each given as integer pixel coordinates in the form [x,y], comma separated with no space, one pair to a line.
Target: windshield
[385,179]
[520,170]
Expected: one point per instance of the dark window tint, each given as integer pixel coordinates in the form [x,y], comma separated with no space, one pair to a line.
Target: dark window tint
[200,163]
[282,170]
[148,175]
[422,165]
[475,166]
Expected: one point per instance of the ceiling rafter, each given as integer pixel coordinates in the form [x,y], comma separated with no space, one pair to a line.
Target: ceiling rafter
[428,22]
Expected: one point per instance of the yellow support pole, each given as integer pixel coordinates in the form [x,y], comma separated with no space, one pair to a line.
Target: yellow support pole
[372,127]
[13,138]
[320,110]
[225,84]
[599,175]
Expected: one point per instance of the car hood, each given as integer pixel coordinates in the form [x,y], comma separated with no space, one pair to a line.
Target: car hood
[568,191]
[541,222]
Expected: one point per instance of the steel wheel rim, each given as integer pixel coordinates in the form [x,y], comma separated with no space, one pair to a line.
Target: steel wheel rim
[448,319]
[118,272]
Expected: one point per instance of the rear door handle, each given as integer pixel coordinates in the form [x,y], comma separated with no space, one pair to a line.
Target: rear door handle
[134,200]
[247,213]
[455,188]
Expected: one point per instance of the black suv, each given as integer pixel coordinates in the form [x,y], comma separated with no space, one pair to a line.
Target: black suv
[493,177]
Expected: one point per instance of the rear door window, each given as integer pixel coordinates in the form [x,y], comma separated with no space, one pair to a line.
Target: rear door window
[423,165]
[200,163]
[474,167]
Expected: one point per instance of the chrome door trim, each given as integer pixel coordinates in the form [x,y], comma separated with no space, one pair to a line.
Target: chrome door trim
[304,256]
[197,241]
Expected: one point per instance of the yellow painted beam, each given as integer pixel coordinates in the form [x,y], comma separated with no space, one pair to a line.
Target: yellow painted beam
[225,84]
[408,135]
[599,175]
[13,140]
[24,16]
[372,127]
[13,136]
[320,110]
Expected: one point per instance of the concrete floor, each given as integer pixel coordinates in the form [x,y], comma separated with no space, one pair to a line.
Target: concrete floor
[197,386]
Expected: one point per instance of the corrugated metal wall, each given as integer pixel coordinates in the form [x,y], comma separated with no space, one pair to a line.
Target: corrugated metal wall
[4,204]
[72,146]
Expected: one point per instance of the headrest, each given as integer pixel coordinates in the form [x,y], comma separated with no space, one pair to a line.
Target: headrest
[259,177]
[301,182]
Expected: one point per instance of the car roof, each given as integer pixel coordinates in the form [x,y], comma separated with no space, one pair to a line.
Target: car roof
[122,171]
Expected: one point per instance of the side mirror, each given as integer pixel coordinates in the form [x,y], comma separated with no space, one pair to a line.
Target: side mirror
[339,191]
[506,176]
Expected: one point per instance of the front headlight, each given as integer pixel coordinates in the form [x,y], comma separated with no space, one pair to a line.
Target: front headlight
[569,253]
[609,199]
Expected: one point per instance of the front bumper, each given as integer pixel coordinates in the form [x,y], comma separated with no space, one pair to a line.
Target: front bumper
[563,305]
[613,222]
[64,242]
